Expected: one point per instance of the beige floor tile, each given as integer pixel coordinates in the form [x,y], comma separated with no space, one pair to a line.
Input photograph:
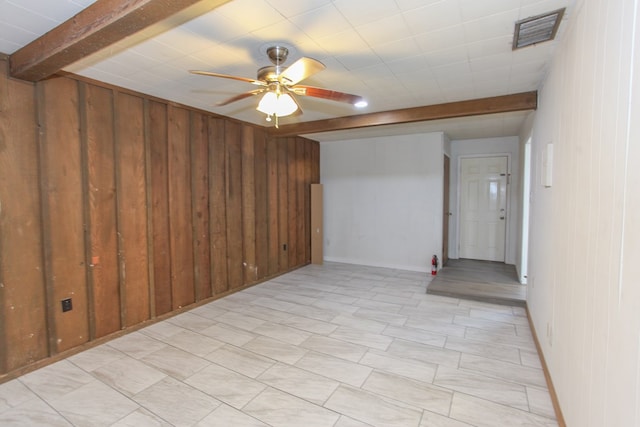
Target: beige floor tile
[225,385]
[335,347]
[177,402]
[430,419]
[540,402]
[239,360]
[338,369]
[413,369]
[412,392]
[32,413]
[299,382]
[128,375]
[483,413]
[56,380]
[193,342]
[14,393]
[175,362]
[424,353]
[93,405]
[480,348]
[416,335]
[226,416]
[275,349]
[508,371]
[372,409]
[485,387]
[360,337]
[141,418]
[280,409]
[228,334]
[282,333]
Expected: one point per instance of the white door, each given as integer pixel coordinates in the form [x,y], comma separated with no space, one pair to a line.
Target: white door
[483,205]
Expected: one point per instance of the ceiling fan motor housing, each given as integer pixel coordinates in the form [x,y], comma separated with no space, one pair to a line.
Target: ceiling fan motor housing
[277,54]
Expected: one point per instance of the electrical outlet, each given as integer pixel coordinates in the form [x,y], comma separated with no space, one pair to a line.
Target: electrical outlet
[66,305]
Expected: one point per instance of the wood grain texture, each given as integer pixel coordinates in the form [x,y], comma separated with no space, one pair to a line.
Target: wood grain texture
[218,204]
[96,27]
[234,205]
[273,234]
[474,107]
[200,205]
[111,191]
[101,190]
[293,194]
[283,202]
[306,207]
[315,162]
[248,206]
[180,227]
[132,215]
[64,232]
[23,317]
[261,199]
[158,145]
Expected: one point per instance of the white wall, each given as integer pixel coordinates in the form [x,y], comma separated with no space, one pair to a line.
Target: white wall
[383,200]
[584,258]
[487,147]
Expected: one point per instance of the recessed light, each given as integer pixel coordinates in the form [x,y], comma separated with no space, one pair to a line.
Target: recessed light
[361,104]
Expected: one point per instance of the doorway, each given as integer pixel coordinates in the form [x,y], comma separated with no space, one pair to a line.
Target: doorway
[483,208]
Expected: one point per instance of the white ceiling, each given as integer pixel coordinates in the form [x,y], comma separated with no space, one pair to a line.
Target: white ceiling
[395,53]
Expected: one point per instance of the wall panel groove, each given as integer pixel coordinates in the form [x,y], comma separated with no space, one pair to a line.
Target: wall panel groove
[134,208]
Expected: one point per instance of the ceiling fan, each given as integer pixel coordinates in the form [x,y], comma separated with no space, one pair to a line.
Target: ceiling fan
[280,84]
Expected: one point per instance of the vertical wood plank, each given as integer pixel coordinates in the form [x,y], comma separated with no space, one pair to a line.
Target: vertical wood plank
[101,191]
[283,203]
[234,204]
[23,307]
[273,235]
[218,208]
[180,229]
[64,231]
[200,205]
[306,208]
[261,197]
[315,163]
[293,202]
[160,206]
[132,205]
[248,205]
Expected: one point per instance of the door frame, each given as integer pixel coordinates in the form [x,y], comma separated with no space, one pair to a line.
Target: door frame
[507,232]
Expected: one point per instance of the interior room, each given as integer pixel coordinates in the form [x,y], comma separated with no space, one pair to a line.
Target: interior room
[322,213]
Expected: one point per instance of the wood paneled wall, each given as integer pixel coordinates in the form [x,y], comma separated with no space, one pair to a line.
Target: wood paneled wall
[134,208]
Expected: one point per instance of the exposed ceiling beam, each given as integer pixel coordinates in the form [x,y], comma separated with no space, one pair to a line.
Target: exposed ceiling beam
[96,27]
[475,107]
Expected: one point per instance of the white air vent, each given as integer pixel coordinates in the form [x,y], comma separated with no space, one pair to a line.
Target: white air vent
[537,29]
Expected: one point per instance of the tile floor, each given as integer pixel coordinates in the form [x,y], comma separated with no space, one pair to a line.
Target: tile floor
[334,345]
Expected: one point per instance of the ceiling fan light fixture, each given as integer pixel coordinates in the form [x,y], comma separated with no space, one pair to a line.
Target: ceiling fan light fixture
[361,104]
[279,105]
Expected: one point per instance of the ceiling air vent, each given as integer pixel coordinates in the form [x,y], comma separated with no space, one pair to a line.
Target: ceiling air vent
[537,29]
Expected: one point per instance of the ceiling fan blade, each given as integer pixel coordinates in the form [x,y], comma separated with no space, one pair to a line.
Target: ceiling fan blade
[240,96]
[300,70]
[226,76]
[333,95]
